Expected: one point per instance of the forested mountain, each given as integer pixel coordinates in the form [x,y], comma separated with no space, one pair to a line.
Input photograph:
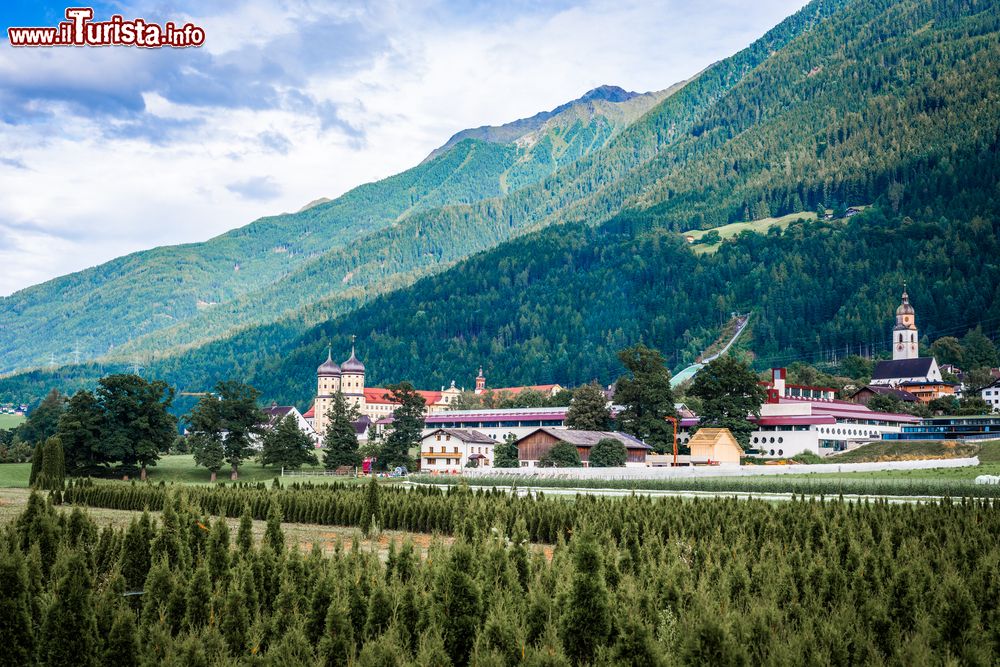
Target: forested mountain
[890,103]
[429,240]
[177,295]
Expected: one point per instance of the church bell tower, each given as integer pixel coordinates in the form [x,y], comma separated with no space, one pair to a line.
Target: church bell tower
[904,334]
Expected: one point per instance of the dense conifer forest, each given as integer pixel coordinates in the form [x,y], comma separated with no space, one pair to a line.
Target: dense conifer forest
[630,581]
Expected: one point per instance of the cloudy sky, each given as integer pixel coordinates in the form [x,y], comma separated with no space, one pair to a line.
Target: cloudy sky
[105,151]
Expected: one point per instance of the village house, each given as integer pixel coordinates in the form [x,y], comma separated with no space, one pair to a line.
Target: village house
[450,450]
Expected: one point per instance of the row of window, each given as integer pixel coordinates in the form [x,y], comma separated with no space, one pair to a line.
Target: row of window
[764,440]
[447,462]
[443,450]
[864,433]
[496,424]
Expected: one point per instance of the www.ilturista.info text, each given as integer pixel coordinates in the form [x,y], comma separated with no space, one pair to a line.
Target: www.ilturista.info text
[80,30]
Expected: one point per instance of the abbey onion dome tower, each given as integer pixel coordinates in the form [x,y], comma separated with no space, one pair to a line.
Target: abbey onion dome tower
[328,379]
[352,380]
[904,334]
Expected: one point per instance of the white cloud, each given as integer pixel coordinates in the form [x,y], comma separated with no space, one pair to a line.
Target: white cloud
[108,151]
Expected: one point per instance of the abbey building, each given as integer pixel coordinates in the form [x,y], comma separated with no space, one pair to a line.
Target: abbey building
[375,403]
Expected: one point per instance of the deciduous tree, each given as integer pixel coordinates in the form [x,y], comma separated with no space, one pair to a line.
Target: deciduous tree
[286,445]
[407,424]
[589,410]
[608,453]
[561,455]
[505,453]
[645,396]
[729,392]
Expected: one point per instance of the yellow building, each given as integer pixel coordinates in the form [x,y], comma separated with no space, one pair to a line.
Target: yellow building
[715,446]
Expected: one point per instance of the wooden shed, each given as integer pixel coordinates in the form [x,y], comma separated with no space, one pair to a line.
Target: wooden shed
[536,444]
[715,446]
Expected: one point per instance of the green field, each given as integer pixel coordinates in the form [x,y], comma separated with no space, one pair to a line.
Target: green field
[14,475]
[176,469]
[181,469]
[736,228]
[9,421]
[909,450]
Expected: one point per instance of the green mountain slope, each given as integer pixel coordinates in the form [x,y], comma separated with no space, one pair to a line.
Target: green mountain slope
[430,240]
[905,120]
[182,294]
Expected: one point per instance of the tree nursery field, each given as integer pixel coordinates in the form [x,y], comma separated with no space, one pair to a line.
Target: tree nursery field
[629,580]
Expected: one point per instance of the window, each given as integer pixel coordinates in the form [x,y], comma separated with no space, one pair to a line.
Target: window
[780,440]
[448,437]
[456,450]
[438,437]
[781,452]
[772,452]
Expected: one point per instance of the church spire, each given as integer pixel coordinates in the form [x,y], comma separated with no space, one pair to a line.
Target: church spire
[904,334]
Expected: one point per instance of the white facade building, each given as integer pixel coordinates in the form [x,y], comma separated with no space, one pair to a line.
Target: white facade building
[791,424]
[450,450]
[991,395]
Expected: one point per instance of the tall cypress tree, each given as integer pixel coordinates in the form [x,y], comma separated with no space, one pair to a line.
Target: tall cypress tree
[37,463]
[586,619]
[53,474]
[371,513]
[336,648]
[457,598]
[15,610]
[122,645]
[340,439]
[273,536]
[244,534]
[69,632]
[217,555]
[199,599]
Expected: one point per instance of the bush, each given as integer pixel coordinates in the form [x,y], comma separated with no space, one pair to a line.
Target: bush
[608,453]
[806,456]
[562,455]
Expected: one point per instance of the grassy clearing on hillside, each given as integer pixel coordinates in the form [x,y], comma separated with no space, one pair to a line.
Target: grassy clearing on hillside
[734,229]
[9,421]
[903,450]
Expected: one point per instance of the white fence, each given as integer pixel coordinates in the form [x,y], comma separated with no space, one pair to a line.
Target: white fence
[716,471]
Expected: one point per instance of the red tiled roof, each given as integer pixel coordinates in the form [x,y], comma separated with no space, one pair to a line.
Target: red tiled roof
[795,420]
[514,391]
[848,410]
[378,395]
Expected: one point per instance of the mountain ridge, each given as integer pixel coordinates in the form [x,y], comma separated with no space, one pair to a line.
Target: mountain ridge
[516,130]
